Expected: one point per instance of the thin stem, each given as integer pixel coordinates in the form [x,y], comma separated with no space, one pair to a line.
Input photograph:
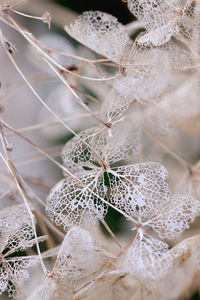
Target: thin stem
[11,168]
[184,163]
[91,61]
[49,224]
[26,15]
[5,194]
[7,91]
[48,124]
[112,234]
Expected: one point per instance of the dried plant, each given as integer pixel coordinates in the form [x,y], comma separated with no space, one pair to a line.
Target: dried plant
[123,118]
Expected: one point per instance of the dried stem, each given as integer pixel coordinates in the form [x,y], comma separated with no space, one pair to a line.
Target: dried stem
[12,170]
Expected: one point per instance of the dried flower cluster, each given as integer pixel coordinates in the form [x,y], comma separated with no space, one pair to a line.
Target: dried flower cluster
[133,109]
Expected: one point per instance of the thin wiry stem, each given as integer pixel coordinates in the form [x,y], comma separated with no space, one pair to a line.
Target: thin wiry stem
[49,124]
[9,90]
[112,234]
[40,99]
[34,42]
[4,195]
[184,163]
[45,219]
[11,168]
[91,61]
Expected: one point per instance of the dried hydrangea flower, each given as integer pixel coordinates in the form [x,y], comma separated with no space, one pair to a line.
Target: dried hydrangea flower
[80,200]
[149,258]
[95,149]
[181,274]
[147,74]
[165,19]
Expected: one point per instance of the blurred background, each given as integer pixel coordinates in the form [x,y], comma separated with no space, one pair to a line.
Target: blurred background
[117,8]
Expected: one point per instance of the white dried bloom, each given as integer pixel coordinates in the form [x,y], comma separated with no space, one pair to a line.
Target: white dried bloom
[80,201]
[95,149]
[148,258]
[143,193]
[165,19]
[147,75]
[157,17]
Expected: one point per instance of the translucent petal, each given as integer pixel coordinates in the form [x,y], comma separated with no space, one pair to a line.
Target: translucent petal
[141,189]
[79,256]
[17,267]
[159,18]
[114,106]
[74,201]
[154,13]
[3,280]
[77,155]
[176,216]
[17,273]
[103,150]
[148,258]
[101,32]
[13,217]
[147,74]
[158,36]
[16,227]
